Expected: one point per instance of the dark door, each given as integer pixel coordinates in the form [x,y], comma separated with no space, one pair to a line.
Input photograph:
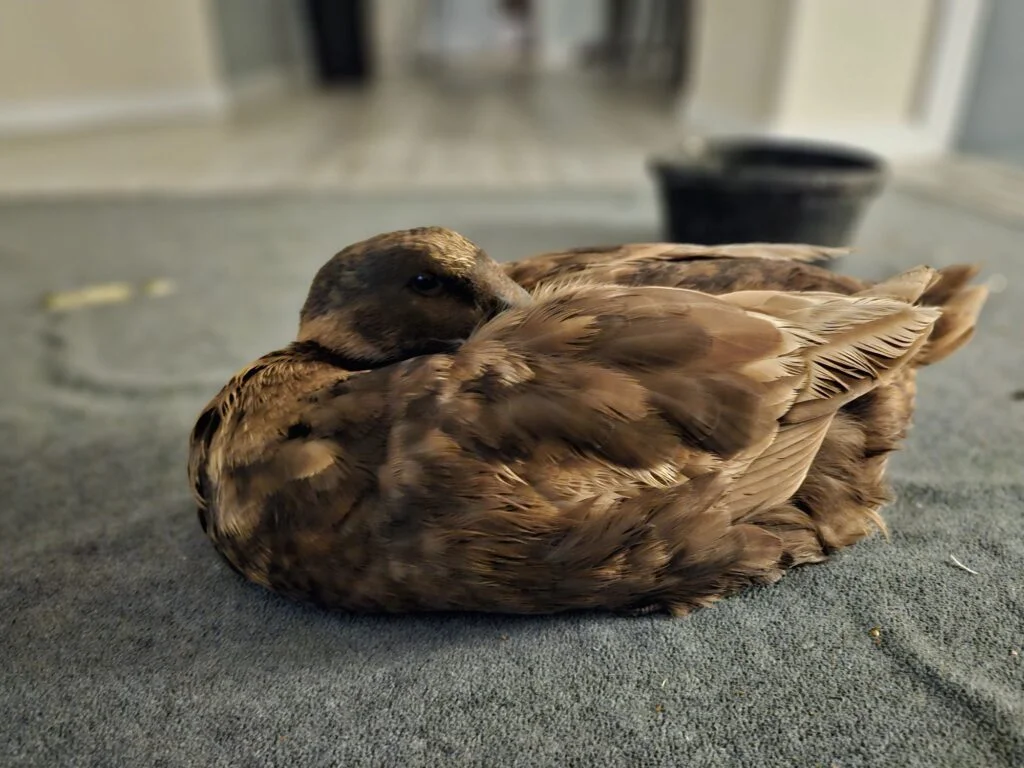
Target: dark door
[341,41]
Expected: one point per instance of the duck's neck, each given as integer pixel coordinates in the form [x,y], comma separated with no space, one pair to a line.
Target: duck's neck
[311,349]
[314,350]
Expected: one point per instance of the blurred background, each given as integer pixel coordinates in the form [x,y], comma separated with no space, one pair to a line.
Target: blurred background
[226,148]
[399,94]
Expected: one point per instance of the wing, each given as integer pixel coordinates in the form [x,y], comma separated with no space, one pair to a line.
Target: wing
[283,465]
[854,345]
[614,447]
[680,265]
[753,266]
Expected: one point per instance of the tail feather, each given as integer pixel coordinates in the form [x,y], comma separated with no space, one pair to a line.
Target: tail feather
[961,305]
[910,286]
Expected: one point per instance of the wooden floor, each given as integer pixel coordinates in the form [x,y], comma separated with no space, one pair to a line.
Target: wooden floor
[460,130]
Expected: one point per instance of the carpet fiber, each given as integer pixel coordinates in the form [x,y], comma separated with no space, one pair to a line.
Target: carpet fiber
[126,641]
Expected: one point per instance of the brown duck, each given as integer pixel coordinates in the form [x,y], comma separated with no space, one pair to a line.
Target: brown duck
[437,438]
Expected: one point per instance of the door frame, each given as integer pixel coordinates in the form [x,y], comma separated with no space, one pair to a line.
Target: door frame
[948,69]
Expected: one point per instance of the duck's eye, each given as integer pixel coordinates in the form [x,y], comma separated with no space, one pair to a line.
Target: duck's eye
[427,284]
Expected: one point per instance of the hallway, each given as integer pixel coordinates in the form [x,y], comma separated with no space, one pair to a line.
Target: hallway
[455,130]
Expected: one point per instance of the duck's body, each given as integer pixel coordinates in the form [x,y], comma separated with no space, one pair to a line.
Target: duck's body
[596,447]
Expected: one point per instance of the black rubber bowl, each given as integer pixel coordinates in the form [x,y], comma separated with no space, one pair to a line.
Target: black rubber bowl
[740,190]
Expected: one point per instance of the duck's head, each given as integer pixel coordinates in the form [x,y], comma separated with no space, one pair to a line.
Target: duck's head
[404,294]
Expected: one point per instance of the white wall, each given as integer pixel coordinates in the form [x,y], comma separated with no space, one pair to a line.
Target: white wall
[739,50]
[855,60]
[67,64]
[64,60]
[857,71]
[395,25]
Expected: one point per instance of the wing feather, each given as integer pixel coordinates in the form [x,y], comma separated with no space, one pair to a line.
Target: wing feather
[636,262]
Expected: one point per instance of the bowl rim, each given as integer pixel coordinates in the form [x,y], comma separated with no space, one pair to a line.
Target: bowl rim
[867,171]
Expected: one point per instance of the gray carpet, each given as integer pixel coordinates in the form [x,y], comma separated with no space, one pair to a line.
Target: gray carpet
[126,642]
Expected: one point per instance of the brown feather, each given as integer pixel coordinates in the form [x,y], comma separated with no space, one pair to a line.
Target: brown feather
[610,445]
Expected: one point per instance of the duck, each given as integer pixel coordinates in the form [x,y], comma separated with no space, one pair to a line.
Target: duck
[447,434]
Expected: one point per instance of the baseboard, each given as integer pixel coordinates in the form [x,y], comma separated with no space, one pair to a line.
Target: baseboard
[20,118]
[266,84]
[30,118]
